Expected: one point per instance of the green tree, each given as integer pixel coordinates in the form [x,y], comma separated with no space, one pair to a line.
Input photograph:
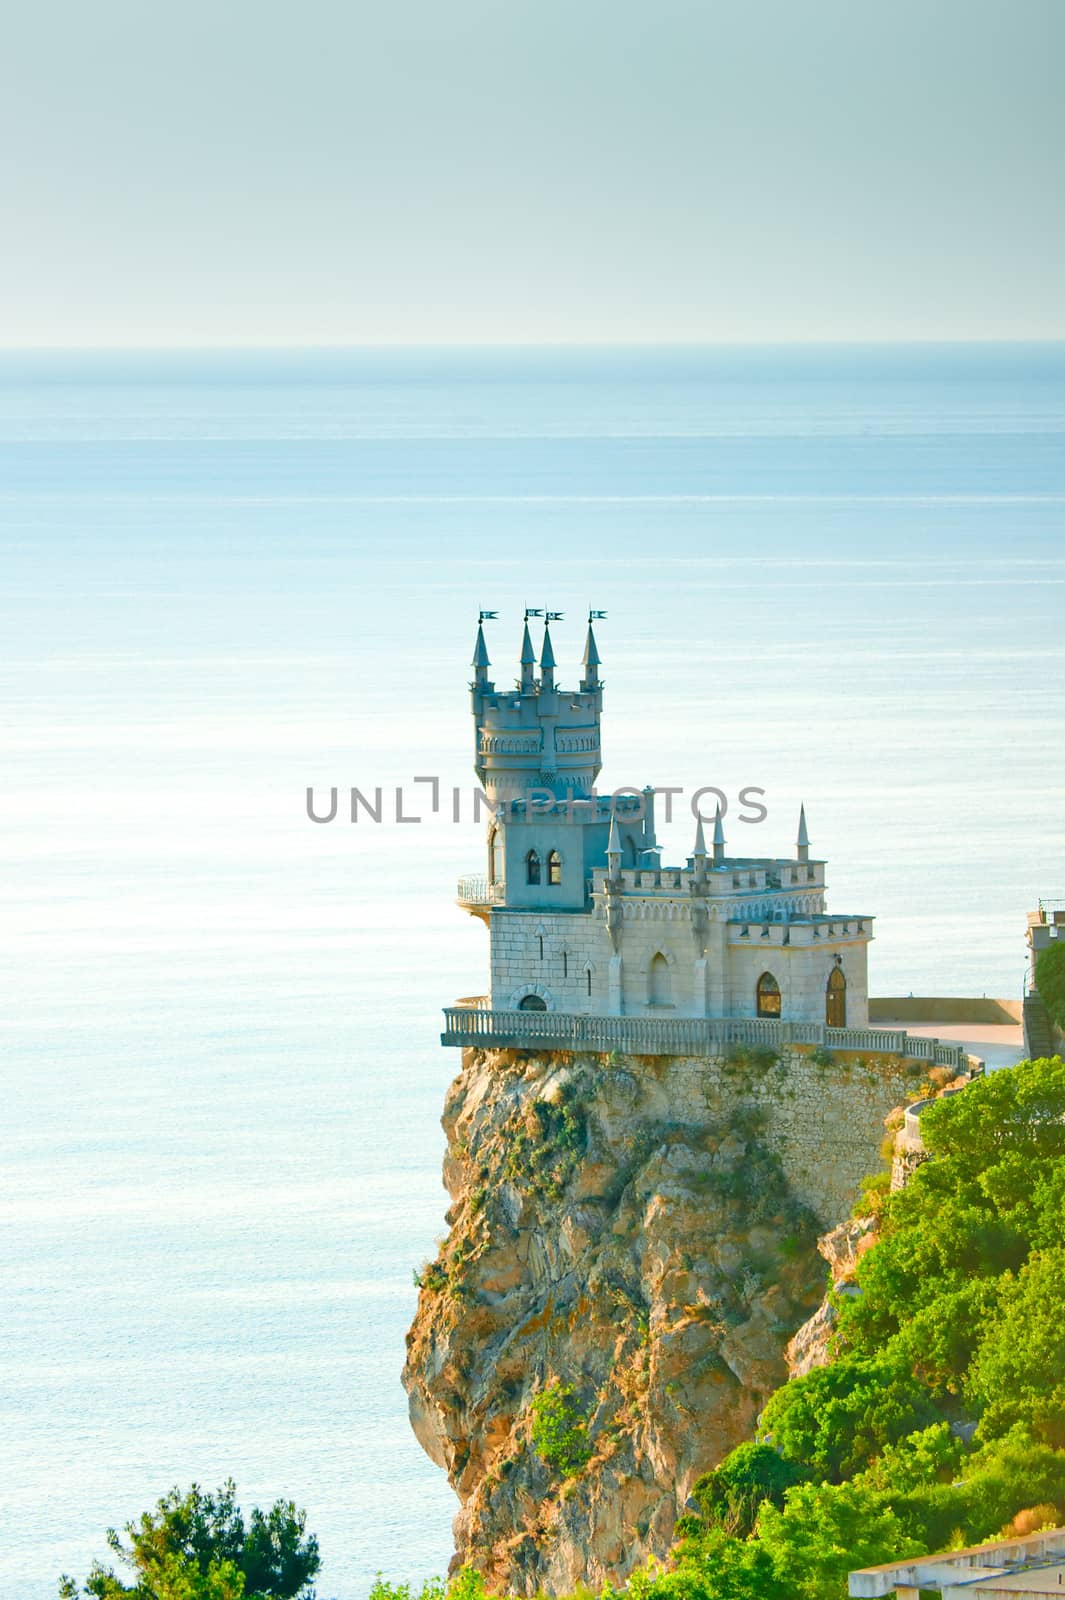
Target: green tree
[198,1546]
[837,1418]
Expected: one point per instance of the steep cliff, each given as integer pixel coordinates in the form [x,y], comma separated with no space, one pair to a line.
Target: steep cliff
[625,1265]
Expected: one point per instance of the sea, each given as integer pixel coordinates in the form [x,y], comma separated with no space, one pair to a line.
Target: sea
[836,575]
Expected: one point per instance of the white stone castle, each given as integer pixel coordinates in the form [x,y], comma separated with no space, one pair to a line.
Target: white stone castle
[585,922]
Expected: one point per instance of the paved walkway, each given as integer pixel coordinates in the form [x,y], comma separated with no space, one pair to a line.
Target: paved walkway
[999,1044]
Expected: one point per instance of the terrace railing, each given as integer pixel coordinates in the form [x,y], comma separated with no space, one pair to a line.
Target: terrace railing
[466,1024]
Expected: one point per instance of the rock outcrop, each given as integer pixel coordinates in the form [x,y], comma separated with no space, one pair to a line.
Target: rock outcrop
[625,1246]
[842,1247]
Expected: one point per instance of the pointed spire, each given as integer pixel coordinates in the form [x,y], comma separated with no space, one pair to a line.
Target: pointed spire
[719,838]
[528,658]
[547,661]
[699,853]
[590,660]
[480,652]
[804,837]
[613,849]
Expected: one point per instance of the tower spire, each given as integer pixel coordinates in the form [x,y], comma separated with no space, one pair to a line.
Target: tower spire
[719,838]
[547,660]
[528,658]
[613,849]
[481,662]
[804,838]
[590,681]
[699,853]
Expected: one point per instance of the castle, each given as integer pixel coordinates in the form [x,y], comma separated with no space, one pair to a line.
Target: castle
[585,922]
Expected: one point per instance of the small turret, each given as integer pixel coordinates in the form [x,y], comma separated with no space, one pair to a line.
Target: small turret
[613,850]
[590,681]
[528,660]
[719,839]
[699,853]
[804,837]
[481,662]
[547,661]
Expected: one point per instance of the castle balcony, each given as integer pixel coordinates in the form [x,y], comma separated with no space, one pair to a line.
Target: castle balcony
[485,1028]
[476,895]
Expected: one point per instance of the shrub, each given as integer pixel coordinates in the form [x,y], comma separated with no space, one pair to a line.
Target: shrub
[560,1429]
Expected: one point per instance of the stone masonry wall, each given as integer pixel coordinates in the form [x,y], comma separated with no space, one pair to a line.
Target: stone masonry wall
[825,1123]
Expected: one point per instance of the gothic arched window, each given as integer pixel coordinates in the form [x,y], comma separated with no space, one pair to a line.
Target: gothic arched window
[532,867]
[554,868]
[836,999]
[768,996]
[495,856]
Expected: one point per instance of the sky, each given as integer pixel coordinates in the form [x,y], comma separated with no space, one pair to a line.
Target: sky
[503,171]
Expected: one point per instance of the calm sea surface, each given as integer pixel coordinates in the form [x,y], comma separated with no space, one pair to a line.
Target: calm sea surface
[839,576]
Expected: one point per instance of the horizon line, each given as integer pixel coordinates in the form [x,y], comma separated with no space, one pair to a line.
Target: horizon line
[531,345]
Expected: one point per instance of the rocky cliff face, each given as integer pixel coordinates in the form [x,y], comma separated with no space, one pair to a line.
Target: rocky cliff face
[626,1262]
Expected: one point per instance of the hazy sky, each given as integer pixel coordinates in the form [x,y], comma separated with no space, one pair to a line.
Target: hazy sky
[466,170]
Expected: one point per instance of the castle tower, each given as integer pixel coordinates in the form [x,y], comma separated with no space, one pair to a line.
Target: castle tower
[536,735]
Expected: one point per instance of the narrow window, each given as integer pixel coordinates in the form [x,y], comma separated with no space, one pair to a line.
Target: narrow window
[588,979]
[495,856]
[554,868]
[540,939]
[532,867]
[768,996]
[565,964]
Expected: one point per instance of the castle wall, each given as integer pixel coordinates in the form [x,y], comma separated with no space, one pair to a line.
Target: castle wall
[725,987]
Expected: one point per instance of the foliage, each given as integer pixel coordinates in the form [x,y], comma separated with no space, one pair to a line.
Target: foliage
[1050,980]
[546,1143]
[961,1317]
[198,1546]
[465,1585]
[559,1429]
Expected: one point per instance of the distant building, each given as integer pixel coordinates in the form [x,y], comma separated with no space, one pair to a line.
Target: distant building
[1031,1565]
[584,919]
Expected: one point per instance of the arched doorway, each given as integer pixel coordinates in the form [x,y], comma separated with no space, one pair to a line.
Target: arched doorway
[532,1002]
[495,856]
[836,999]
[768,996]
[660,988]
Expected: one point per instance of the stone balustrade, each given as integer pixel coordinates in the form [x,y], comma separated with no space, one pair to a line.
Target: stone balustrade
[476,1024]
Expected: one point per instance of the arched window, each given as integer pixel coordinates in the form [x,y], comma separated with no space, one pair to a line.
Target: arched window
[540,938]
[554,868]
[532,867]
[660,990]
[588,979]
[495,856]
[565,964]
[532,1002]
[768,995]
[836,999]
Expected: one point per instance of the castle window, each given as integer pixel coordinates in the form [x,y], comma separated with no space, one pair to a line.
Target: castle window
[540,937]
[532,1002]
[768,996]
[495,856]
[588,978]
[660,989]
[554,868]
[836,999]
[532,867]
[565,964]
